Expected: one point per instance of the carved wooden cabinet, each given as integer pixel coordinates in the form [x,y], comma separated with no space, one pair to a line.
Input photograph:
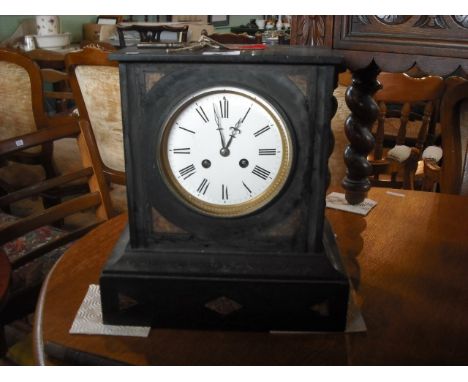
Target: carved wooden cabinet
[443,39]
[370,44]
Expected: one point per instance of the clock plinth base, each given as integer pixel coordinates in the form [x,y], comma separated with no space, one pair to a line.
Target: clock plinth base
[227,291]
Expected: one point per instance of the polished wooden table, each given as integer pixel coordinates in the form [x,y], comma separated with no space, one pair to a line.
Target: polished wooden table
[51,58]
[408,261]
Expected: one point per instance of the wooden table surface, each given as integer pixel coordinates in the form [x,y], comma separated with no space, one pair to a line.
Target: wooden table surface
[51,58]
[407,260]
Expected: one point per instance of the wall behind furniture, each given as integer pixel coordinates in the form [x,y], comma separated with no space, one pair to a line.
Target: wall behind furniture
[68,23]
[74,24]
[235,21]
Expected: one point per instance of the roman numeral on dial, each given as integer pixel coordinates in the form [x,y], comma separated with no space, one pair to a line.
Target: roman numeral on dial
[185,150]
[187,130]
[188,171]
[261,172]
[266,151]
[203,186]
[224,107]
[261,131]
[247,188]
[202,114]
[224,192]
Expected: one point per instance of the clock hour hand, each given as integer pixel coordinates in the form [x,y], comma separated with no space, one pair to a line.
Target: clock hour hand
[220,128]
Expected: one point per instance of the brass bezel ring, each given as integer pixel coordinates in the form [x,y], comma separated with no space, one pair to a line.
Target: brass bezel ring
[233,210]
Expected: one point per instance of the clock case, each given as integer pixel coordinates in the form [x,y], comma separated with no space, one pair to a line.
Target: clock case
[276,269]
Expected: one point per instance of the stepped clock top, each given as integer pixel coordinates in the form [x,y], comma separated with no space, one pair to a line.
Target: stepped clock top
[275,54]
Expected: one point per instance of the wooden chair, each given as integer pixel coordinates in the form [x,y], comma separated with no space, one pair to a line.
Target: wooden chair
[151,33]
[96,87]
[406,107]
[452,174]
[415,100]
[236,38]
[53,75]
[32,243]
[60,93]
[22,107]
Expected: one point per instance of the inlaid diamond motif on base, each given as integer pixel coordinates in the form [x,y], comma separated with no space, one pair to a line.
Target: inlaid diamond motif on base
[223,306]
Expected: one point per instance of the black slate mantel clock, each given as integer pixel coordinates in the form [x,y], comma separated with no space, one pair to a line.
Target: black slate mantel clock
[227,169]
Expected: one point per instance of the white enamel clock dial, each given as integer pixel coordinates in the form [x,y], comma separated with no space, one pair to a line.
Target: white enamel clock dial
[226,151]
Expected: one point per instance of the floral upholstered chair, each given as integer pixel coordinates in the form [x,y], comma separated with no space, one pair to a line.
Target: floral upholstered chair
[32,241]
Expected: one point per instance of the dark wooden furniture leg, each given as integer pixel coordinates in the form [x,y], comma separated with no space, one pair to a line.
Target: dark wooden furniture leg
[5,275]
[364,112]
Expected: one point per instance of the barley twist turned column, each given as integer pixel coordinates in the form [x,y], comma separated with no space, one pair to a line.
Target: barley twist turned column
[364,112]
[331,139]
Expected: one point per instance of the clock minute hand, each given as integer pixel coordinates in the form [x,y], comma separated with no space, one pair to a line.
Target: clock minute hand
[220,128]
[235,131]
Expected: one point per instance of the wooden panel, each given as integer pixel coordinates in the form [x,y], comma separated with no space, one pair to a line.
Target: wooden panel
[312,30]
[445,36]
